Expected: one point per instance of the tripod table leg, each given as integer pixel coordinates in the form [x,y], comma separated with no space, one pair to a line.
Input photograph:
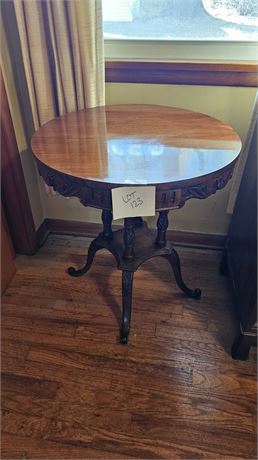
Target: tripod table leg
[174,261]
[127,287]
[94,247]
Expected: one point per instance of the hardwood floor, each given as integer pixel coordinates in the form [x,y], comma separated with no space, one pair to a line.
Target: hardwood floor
[71,391]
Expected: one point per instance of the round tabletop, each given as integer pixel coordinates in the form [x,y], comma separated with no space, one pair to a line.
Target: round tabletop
[184,154]
[136,144]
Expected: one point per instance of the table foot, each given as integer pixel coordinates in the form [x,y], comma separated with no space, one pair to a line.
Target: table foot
[94,247]
[124,339]
[174,261]
[127,286]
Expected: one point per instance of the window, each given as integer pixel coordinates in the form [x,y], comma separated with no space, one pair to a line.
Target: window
[181,19]
[181,29]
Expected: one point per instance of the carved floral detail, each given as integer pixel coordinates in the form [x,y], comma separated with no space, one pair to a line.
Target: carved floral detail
[129,238]
[204,190]
[99,195]
[176,198]
[89,195]
[162,226]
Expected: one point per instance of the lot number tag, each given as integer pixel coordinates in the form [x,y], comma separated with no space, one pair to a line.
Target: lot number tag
[133,201]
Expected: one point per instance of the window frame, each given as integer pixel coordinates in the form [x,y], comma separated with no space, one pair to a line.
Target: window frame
[194,62]
[186,50]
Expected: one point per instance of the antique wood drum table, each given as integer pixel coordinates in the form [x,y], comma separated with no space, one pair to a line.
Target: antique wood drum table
[88,153]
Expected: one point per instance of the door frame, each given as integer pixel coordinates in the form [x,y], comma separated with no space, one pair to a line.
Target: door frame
[15,199]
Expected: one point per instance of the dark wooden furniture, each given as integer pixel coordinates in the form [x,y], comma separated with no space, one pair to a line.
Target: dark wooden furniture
[184,154]
[15,198]
[8,268]
[240,255]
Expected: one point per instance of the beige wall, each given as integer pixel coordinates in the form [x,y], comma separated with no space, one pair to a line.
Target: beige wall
[232,105]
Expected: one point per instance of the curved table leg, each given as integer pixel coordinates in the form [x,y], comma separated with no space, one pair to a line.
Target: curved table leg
[94,247]
[127,286]
[174,261]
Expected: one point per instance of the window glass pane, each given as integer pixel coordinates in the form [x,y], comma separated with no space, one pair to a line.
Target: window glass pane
[181,19]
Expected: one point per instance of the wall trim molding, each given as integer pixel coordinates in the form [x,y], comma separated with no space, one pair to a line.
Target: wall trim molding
[182,73]
[181,238]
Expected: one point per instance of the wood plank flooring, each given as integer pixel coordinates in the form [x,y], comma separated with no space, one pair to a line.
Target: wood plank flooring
[71,391]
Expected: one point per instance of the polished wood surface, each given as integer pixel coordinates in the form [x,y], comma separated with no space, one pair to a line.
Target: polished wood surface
[69,391]
[182,73]
[136,144]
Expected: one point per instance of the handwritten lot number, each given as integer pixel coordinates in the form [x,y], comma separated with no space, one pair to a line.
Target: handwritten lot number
[133,201]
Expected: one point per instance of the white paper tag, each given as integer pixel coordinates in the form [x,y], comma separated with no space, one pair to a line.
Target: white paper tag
[133,201]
